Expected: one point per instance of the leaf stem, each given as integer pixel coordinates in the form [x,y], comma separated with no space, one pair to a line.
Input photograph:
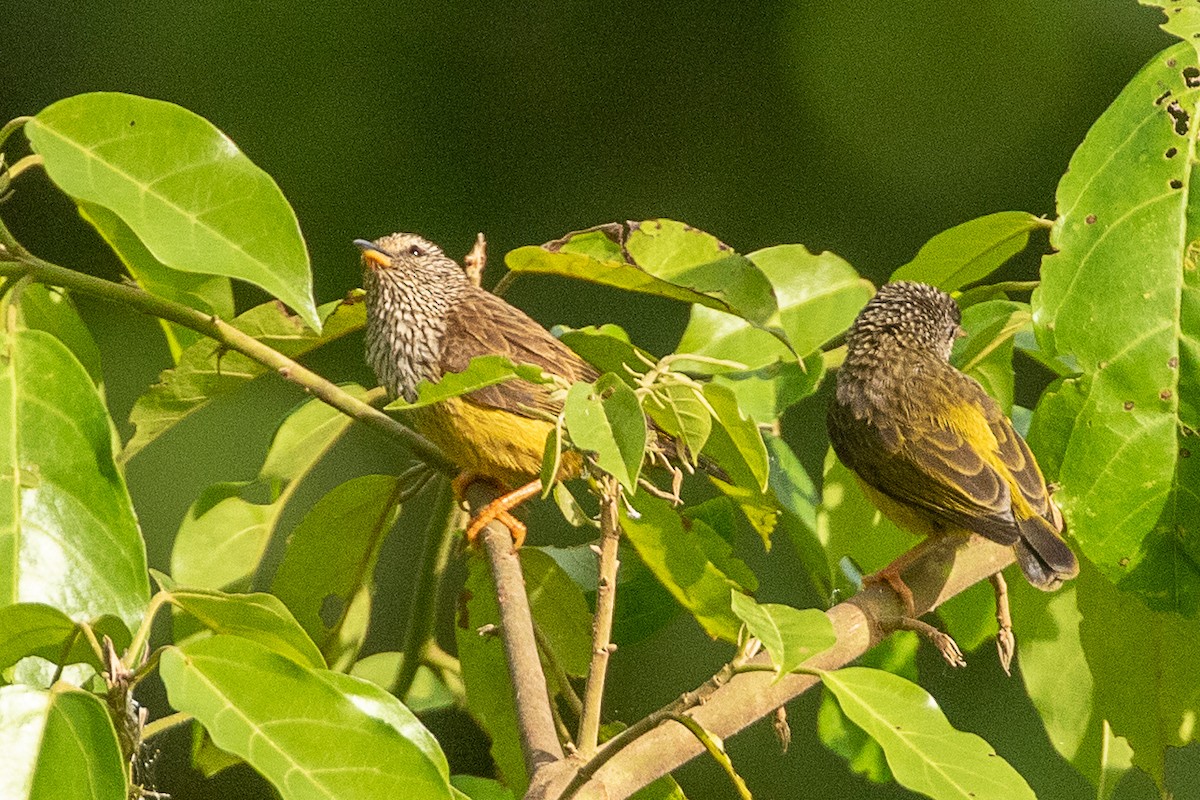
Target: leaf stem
[142,637]
[444,521]
[18,261]
[11,126]
[716,748]
[606,595]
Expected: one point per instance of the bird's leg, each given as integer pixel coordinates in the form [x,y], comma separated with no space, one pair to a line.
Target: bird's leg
[499,509]
[892,576]
[1006,643]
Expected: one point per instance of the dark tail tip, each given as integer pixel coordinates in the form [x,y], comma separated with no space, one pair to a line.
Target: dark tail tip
[1043,556]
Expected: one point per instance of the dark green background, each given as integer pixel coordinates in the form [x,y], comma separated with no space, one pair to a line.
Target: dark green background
[862,128]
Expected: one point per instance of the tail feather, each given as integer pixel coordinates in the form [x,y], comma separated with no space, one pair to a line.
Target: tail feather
[1043,556]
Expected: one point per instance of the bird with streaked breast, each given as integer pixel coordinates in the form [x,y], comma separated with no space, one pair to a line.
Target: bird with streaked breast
[930,447]
[425,318]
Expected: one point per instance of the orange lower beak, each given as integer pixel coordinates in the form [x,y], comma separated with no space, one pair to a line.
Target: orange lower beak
[372,256]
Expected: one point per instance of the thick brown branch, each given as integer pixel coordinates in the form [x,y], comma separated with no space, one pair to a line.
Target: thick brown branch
[938,571]
[535,719]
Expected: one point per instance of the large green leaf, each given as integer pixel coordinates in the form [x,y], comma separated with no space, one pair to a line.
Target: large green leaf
[971,251]
[986,352]
[1122,296]
[35,629]
[677,557]
[68,534]
[606,418]
[666,258]
[924,752]
[50,309]
[315,735]
[212,294]
[181,186]
[329,566]
[1055,671]
[740,450]
[791,635]
[258,616]
[207,370]
[1144,678]
[223,537]
[819,296]
[58,743]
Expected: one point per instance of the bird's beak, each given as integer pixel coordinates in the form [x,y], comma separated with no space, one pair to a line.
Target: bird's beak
[372,255]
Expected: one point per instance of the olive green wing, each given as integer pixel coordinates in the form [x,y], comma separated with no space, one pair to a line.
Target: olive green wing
[483,324]
[932,467]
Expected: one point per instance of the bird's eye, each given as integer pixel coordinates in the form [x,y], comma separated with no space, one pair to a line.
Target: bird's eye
[415,251]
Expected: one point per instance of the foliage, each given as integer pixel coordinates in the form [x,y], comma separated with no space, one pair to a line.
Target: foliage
[272,598]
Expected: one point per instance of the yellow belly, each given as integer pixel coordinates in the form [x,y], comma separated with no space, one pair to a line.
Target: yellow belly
[497,444]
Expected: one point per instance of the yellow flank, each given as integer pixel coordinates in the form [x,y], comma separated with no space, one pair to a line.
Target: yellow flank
[490,442]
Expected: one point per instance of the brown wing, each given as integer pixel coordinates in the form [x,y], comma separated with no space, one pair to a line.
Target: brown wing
[483,324]
[1019,460]
[931,467]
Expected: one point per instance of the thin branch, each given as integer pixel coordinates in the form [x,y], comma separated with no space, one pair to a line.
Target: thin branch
[716,749]
[560,674]
[162,724]
[941,569]
[435,554]
[606,596]
[535,720]
[21,262]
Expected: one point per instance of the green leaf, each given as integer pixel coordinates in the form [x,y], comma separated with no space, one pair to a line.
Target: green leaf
[34,629]
[206,370]
[58,743]
[971,251]
[427,693]
[260,617]
[668,259]
[818,295]
[181,185]
[607,348]
[68,534]
[746,462]
[765,393]
[1122,295]
[482,371]
[680,411]
[986,352]
[896,654]
[485,673]
[560,611]
[1145,678]
[791,635]
[329,565]
[1183,20]
[224,535]
[924,752]
[676,556]
[481,788]
[1055,671]
[798,499]
[607,419]
[211,294]
[50,309]
[315,734]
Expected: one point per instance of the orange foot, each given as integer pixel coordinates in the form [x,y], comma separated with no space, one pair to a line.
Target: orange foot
[499,510]
[891,576]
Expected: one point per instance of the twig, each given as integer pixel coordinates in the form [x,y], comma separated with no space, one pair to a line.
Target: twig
[535,720]
[606,596]
[560,675]
[19,261]
[650,749]
[444,520]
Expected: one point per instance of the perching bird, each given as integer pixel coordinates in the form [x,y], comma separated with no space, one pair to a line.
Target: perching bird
[933,451]
[425,318]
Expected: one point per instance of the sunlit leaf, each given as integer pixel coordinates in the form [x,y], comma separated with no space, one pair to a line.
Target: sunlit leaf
[181,186]
[482,371]
[50,309]
[260,617]
[34,629]
[68,534]
[1122,295]
[316,734]
[58,743]
[791,635]
[607,419]
[971,251]
[741,452]
[924,752]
